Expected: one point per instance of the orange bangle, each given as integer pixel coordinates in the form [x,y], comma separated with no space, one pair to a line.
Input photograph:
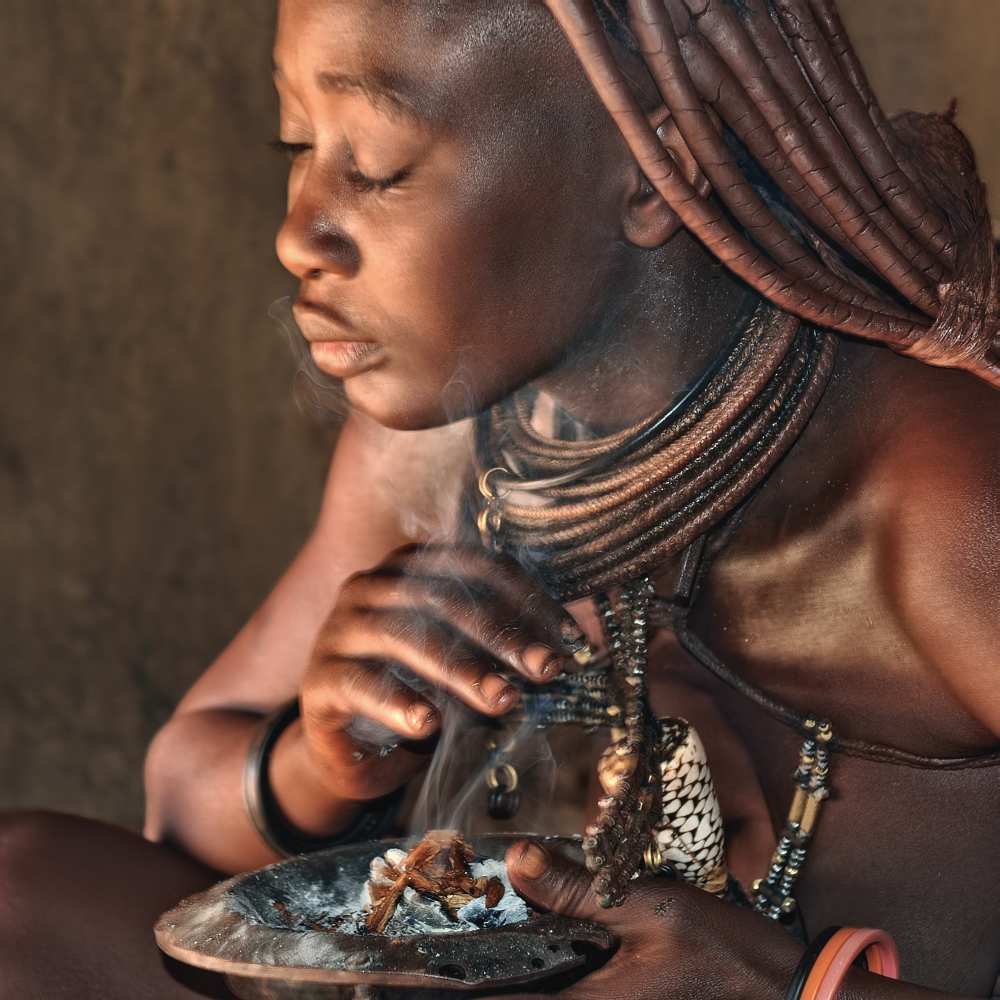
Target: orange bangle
[835,960]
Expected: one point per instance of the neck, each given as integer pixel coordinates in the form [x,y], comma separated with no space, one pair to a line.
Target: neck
[667,317]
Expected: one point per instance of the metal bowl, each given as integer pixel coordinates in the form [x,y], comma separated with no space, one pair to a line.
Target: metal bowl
[234,928]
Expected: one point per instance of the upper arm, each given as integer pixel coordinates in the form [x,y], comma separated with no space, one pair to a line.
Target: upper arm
[383,489]
[947,549]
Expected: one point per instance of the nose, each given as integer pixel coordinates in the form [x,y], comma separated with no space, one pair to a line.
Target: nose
[310,243]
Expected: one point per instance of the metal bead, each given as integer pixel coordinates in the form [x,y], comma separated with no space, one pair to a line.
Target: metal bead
[653,857]
[485,490]
[503,804]
[503,777]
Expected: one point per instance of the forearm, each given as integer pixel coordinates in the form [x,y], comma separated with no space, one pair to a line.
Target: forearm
[194,789]
[859,985]
[866,986]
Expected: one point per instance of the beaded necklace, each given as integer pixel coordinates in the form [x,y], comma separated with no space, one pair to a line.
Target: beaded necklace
[595,518]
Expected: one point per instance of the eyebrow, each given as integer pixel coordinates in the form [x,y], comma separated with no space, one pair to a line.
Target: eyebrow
[382,91]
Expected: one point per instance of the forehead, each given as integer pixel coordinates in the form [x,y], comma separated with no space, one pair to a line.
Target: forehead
[438,59]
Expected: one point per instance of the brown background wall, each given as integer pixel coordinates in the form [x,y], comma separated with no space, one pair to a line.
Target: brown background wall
[921,53]
[154,473]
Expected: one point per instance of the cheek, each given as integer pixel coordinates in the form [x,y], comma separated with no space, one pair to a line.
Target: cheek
[481,287]
[449,285]
[430,282]
[542,249]
[512,272]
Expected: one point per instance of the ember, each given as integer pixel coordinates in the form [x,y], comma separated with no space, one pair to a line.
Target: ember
[439,868]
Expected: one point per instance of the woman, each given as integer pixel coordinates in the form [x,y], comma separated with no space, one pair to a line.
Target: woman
[466,220]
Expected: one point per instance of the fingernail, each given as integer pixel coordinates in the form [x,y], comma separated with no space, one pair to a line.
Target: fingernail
[581,651]
[533,862]
[541,659]
[508,699]
[422,716]
[497,691]
[552,668]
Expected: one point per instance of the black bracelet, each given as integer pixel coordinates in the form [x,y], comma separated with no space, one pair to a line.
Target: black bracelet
[282,836]
[808,960]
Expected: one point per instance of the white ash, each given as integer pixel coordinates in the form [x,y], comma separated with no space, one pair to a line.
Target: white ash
[418,914]
[511,909]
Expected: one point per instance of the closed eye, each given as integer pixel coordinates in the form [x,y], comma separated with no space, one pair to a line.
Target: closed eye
[361,182]
[289,149]
[365,183]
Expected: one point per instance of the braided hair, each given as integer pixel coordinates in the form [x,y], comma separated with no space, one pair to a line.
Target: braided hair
[854,222]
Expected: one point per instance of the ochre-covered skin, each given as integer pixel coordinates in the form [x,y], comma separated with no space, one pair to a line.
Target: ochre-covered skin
[531,250]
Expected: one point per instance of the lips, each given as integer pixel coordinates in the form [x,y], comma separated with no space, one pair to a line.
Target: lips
[334,343]
[316,317]
[344,359]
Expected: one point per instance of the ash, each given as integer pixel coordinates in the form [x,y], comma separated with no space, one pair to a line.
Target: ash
[419,914]
[310,893]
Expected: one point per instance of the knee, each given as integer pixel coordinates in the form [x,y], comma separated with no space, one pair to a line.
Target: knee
[20,835]
[29,841]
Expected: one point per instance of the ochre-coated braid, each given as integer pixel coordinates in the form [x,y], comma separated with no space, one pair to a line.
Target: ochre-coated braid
[701,215]
[874,235]
[854,120]
[661,46]
[892,240]
[827,14]
[617,525]
[800,123]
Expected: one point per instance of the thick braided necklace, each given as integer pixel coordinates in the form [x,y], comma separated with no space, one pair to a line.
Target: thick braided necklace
[582,531]
[594,516]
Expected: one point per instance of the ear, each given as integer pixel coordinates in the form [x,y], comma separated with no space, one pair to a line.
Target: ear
[649,221]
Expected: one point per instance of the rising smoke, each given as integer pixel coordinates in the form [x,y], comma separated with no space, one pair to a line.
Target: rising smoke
[454,791]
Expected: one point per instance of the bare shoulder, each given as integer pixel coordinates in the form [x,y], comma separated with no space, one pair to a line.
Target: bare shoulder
[383,489]
[938,463]
[406,483]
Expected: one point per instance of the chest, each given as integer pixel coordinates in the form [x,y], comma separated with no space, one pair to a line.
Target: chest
[813,620]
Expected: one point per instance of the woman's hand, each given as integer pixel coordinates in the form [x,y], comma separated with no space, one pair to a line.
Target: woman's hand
[450,616]
[676,942]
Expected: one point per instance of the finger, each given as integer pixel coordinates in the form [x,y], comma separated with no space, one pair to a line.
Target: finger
[361,771]
[553,883]
[501,573]
[481,613]
[342,689]
[359,775]
[432,651]
[559,885]
[664,907]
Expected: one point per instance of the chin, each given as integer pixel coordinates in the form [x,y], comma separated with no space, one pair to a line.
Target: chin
[400,408]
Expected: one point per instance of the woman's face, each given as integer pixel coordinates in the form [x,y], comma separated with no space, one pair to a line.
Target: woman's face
[453,199]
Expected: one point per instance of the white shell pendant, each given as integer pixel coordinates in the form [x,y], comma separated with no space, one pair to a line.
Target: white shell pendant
[689,835]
